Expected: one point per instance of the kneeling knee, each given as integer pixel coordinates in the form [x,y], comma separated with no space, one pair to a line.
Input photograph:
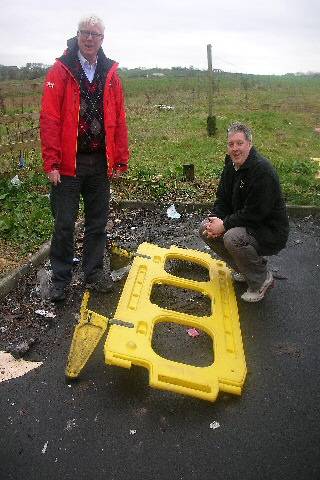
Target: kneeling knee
[230,240]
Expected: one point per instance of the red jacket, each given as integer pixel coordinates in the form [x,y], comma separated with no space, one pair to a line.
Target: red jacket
[59,121]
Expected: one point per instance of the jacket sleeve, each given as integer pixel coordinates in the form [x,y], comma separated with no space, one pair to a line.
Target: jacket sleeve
[50,118]
[121,131]
[259,201]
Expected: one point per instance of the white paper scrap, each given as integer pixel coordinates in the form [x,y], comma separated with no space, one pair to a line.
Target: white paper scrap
[214,425]
[11,367]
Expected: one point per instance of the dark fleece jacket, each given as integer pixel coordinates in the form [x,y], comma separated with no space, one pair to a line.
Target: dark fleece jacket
[251,197]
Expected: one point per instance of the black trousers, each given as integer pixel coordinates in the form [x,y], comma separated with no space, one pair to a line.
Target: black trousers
[93,185]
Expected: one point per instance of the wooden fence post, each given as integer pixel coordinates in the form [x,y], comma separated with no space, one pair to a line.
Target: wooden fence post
[211,120]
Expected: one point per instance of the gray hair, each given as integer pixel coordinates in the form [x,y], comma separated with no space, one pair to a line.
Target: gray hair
[92,20]
[240,127]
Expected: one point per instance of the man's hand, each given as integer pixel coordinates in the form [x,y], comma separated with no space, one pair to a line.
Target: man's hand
[117,174]
[54,177]
[214,227]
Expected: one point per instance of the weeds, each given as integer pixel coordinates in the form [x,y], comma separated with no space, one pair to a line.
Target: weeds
[282,112]
[25,217]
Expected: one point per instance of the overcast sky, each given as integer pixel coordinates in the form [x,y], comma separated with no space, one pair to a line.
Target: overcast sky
[249,36]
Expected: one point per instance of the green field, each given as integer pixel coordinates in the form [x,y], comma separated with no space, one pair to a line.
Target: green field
[282,112]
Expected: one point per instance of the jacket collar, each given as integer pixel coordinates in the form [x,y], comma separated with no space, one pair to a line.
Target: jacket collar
[250,159]
[70,57]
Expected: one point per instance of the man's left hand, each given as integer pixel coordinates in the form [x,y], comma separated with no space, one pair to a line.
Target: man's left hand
[116,174]
[214,227]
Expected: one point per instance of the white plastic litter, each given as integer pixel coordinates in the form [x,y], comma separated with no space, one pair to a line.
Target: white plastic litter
[45,313]
[13,368]
[172,212]
[214,425]
[44,449]
[15,181]
[117,275]
[161,106]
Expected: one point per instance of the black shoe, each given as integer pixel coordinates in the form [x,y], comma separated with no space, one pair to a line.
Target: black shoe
[57,294]
[101,283]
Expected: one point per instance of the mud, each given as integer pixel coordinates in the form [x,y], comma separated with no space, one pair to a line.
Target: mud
[25,332]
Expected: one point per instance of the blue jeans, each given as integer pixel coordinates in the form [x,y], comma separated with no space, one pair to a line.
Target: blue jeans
[65,197]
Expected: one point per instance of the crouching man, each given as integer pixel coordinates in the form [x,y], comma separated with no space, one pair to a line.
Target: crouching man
[249,219]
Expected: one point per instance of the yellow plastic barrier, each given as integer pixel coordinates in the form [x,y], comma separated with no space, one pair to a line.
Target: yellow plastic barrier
[127,346]
[87,334]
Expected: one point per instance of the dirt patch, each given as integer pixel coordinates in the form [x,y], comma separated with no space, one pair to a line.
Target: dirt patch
[171,341]
[28,322]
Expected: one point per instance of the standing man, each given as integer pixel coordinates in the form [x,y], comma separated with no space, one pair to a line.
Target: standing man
[249,218]
[84,144]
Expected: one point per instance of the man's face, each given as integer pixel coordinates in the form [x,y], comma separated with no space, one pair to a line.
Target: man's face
[89,44]
[238,148]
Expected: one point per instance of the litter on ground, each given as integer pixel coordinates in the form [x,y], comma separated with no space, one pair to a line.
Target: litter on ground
[214,425]
[172,212]
[193,332]
[14,368]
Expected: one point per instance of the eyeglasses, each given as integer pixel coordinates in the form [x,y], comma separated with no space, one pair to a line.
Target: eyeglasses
[86,34]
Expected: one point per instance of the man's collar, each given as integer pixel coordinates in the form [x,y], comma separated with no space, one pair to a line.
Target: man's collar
[247,161]
[84,61]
